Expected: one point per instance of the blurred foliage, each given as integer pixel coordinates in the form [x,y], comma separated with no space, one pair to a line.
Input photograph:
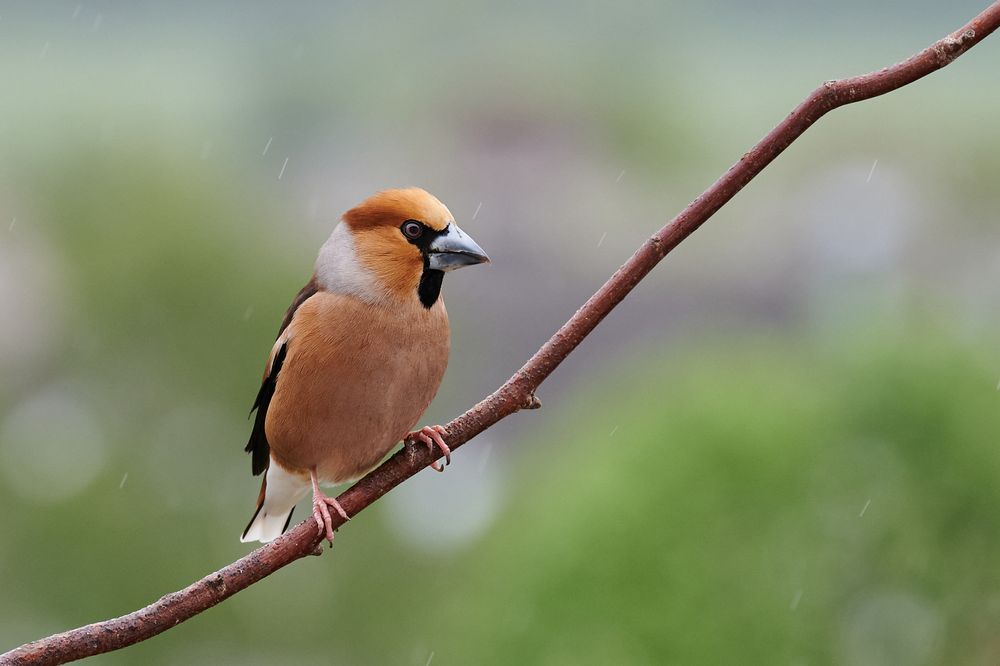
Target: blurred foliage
[752,504]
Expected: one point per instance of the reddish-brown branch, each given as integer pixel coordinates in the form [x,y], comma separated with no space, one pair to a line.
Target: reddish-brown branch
[517,392]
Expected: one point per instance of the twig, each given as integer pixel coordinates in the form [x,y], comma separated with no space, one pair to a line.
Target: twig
[517,393]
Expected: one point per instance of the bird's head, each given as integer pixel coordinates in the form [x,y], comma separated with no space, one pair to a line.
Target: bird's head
[397,243]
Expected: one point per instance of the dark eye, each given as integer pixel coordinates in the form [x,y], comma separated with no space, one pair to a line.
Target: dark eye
[412,229]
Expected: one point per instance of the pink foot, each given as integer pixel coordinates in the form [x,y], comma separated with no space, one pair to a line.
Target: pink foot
[431,436]
[321,514]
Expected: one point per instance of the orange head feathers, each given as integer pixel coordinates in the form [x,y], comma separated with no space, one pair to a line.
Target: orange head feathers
[393,207]
[396,244]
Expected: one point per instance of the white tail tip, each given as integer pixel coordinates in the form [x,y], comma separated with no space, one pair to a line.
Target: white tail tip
[282,490]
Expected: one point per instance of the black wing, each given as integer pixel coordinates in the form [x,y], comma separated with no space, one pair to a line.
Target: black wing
[258,445]
[305,292]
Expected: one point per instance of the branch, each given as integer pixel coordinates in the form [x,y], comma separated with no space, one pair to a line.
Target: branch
[517,393]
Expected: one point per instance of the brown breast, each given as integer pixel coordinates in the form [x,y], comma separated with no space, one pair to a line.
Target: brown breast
[355,380]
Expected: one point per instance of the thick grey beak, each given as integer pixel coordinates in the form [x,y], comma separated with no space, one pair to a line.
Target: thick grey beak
[454,249]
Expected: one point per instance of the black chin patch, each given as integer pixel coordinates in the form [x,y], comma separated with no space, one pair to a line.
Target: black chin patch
[430,286]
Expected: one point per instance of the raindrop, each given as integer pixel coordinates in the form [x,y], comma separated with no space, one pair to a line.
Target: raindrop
[487,450]
[870,173]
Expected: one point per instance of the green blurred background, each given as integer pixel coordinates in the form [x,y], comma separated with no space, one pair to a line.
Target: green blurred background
[781,449]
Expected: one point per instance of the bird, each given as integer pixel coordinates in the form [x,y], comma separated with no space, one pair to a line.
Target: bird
[359,356]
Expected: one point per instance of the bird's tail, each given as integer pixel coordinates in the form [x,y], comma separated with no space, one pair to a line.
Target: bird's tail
[279,493]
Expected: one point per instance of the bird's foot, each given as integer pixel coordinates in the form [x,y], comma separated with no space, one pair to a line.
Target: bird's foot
[321,512]
[431,436]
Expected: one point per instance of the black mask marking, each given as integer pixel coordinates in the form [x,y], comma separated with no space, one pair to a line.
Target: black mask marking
[430,285]
[429,289]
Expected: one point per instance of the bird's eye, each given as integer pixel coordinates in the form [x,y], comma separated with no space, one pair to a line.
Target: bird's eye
[412,229]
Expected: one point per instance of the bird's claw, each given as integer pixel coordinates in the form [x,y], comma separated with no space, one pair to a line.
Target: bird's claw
[431,436]
[321,514]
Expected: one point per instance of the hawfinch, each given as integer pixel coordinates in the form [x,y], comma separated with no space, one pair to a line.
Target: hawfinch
[359,356]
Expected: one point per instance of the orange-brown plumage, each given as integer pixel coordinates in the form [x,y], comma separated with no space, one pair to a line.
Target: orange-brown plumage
[392,207]
[360,354]
[354,383]
[374,224]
